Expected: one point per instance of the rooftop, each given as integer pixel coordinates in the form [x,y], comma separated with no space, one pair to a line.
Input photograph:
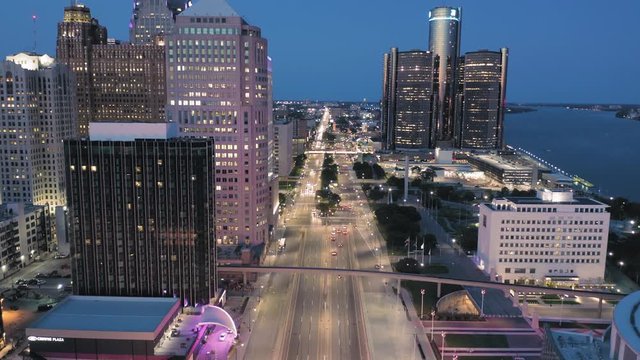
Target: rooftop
[538,201]
[107,313]
[210,8]
[504,162]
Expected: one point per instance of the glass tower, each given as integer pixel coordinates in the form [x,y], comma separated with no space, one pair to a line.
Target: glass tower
[444,44]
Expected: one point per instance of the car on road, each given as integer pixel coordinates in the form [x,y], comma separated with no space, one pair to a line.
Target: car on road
[334,253]
[222,336]
[20,282]
[377,266]
[340,245]
[23,287]
[32,282]
[41,276]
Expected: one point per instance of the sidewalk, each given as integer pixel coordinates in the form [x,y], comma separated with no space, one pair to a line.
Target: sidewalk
[421,332]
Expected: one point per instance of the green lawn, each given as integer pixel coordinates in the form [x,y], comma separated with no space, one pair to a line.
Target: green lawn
[435,269]
[476,341]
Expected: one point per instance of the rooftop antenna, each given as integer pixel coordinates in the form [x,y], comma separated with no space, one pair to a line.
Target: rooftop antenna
[34,17]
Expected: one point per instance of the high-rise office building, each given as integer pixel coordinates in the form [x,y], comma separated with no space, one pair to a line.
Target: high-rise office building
[37,112]
[482,99]
[283,147]
[141,213]
[77,34]
[218,87]
[153,17]
[116,81]
[407,100]
[444,44]
[128,82]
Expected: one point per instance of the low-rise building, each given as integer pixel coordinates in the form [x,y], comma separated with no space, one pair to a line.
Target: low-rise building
[25,232]
[508,170]
[552,239]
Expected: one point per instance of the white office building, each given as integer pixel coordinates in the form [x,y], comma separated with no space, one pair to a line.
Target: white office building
[37,113]
[551,239]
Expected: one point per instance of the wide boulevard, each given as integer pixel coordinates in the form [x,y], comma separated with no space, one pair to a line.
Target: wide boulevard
[329,317]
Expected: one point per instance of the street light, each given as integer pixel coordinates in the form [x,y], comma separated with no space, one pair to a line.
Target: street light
[422,292]
[562,307]
[433,315]
[444,334]
[482,292]
[621,264]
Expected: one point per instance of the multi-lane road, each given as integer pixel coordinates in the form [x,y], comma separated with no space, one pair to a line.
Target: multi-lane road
[329,317]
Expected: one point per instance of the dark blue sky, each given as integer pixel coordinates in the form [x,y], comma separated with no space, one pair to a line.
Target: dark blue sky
[561,51]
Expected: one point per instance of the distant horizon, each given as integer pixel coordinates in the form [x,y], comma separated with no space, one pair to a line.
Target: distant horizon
[530,103]
[334,49]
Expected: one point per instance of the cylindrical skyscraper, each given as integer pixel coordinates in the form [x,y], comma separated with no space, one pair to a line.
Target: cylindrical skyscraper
[444,44]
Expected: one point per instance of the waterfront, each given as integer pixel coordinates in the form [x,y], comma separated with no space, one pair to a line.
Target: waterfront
[596,146]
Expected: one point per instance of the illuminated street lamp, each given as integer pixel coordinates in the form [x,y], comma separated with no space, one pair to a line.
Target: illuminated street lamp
[482,292]
[422,292]
[433,315]
[621,264]
[444,334]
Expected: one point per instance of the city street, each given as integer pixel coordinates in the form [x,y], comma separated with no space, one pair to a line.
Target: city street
[328,317]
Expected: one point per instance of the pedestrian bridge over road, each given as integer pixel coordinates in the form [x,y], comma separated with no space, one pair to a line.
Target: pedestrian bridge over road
[334,152]
[421,278]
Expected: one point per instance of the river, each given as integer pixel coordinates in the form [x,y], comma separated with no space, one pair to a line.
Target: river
[594,145]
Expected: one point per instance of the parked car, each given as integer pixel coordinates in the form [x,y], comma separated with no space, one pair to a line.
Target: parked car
[20,281]
[41,276]
[23,287]
[32,282]
[54,273]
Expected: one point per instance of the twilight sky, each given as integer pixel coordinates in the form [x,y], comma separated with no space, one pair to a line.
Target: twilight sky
[560,51]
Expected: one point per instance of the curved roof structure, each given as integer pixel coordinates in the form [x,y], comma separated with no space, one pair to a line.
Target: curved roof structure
[218,316]
[626,318]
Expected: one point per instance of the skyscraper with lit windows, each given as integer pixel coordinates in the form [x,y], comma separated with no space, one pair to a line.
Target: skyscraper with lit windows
[153,17]
[218,87]
[444,44]
[483,91]
[407,99]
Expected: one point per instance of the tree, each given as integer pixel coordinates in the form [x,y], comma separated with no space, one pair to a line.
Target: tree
[469,238]
[408,265]
[378,171]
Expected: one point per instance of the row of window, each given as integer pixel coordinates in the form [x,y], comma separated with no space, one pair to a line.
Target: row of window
[548,261]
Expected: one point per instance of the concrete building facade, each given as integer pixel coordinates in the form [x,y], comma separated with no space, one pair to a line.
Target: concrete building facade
[115,81]
[551,239]
[37,112]
[25,232]
[283,148]
[218,87]
[77,34]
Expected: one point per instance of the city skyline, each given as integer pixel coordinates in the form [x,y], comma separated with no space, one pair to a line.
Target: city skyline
[563,31]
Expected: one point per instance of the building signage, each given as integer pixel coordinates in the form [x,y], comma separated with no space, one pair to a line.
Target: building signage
[45,338]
